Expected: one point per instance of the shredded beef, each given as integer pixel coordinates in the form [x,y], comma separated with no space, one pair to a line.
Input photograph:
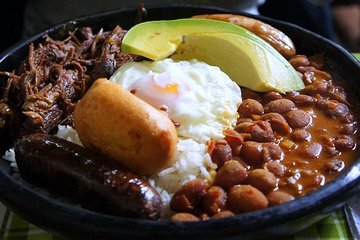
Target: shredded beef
[44,91]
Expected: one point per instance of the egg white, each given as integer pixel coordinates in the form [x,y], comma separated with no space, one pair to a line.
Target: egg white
[200,97]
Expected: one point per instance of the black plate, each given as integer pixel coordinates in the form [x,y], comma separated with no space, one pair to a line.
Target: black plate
[47,212]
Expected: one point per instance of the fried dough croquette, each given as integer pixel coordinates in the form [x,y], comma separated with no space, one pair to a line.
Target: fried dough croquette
[111,120]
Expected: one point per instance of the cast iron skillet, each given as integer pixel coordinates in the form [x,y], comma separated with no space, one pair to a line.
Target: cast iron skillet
[68,219]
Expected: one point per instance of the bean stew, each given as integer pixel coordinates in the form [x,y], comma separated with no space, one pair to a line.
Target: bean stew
[283,147]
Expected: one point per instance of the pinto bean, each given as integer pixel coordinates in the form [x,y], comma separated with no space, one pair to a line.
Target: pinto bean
[322,103]
[344,143]
[310,150]
[223,214]
[251,152]
[245,198]
[262,179]
[279,106]
[277,122]
[262,132]
[270,96]
[299,60]
[338,93]
[348,118]
[303,100]
[317,87]
[300,135]
[317,61]
[250,107]
[311,74]
[337,109]
[222,152]
[304,69]
[318,75]
[347,128]
[184,217]
[275,167]
[233,138]
[214,200]
[298,118]
[244,127]
[271,151]
[189,196]
[242,120]
[278,197]
[231,173]
[249,94]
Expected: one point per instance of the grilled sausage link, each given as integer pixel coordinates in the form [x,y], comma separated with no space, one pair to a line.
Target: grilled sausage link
[94,181]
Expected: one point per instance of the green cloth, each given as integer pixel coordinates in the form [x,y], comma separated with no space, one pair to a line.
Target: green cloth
[357,55]
[333,227]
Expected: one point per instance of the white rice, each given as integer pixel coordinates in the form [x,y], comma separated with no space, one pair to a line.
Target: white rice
[10,156]
[191,161]
[68,133]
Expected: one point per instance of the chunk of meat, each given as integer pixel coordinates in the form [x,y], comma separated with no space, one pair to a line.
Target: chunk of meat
[45,89]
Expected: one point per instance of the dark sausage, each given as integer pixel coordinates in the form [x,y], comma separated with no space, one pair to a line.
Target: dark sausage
[89,179]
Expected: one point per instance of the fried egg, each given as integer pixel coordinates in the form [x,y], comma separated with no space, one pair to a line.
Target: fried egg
[201,98]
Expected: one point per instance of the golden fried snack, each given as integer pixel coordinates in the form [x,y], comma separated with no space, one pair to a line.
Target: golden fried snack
[273,36]
[111,120]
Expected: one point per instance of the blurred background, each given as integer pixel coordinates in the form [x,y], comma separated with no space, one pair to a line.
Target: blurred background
[338,20]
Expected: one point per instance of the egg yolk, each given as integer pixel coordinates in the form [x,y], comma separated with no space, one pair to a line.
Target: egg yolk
[158,90]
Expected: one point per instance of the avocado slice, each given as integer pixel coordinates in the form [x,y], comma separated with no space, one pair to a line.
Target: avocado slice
[247,62]
[247,59]
[157,40]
